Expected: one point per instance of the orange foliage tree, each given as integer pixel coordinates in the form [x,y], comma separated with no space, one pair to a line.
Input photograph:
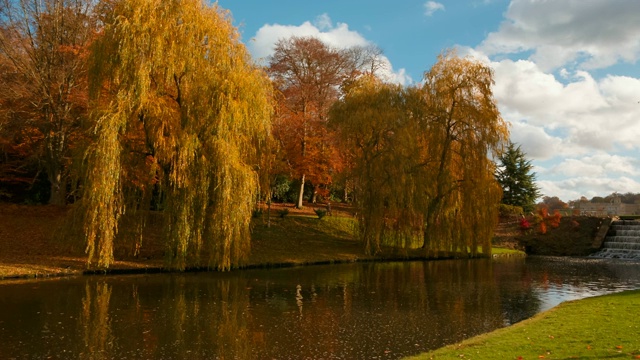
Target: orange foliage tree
[44,88]
[308,74]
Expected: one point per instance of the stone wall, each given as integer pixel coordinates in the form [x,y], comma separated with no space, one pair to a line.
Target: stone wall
[576,236]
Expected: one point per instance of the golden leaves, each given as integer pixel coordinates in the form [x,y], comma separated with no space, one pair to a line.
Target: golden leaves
[178,68]
[422,157]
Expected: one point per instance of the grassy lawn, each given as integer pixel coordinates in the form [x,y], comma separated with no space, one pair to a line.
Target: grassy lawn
[504,251]
[28,247]
[604,327]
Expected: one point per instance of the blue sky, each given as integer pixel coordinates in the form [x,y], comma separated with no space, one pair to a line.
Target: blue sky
[566,71]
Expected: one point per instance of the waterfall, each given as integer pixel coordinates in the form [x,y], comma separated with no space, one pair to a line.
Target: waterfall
[622,241]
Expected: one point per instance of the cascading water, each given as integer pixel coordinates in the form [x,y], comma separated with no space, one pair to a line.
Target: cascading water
[622,241]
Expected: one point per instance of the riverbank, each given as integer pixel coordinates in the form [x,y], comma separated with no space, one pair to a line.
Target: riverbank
[601,327]
[31,245]
[29,249]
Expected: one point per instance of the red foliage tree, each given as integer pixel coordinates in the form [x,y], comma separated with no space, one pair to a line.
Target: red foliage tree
[308,75]
[43,94]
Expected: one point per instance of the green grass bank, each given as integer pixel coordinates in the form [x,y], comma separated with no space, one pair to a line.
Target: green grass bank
[30,249]
[603,327]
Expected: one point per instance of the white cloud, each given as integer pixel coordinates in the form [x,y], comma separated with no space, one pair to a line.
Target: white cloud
[587,115]
[588,186]
[581,132]
[534,141]
[339,35]
[583,125]
[323,22]
[431,7]
[598,165]
[586,34]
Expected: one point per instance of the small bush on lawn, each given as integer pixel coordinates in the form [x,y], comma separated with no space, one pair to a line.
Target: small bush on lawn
[321,213]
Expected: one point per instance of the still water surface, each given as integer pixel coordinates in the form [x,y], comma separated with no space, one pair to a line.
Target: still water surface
[350,311]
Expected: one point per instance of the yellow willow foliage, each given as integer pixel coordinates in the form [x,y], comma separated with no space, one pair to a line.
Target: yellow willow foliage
[171,83]
[463,127]
[374,120]
[422,167]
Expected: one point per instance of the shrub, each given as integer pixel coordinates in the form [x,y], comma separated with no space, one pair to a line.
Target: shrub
[525,224]
[256,213]
[544,219]
[507,210]
[321,213]
[282,213]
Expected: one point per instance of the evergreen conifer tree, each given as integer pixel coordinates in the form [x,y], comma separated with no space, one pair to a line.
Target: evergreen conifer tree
[516,178]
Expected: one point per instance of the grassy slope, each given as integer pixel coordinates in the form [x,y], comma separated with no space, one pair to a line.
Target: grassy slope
[28,247]
[595,328]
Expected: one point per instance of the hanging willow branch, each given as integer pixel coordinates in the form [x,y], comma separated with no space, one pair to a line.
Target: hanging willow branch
[180,109]
[421,158]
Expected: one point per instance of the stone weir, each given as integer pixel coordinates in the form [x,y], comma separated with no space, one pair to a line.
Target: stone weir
[622,241]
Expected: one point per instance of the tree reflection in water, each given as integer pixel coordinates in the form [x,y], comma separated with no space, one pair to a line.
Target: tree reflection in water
[95,323]
[366,310]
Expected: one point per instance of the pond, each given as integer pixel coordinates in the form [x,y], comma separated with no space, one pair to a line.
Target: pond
[347,311]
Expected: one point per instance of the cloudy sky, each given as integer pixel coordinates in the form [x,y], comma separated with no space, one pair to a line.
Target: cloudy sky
[567,72]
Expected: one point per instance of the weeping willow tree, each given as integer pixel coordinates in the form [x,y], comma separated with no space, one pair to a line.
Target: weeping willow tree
[180,110]
[463,127]
[376,123]
[423,170]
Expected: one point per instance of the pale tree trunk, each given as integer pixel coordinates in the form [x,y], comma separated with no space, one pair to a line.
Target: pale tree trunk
[58,194]
[269,209]
[269,214]
[314,197]
[55,149]
[299,204]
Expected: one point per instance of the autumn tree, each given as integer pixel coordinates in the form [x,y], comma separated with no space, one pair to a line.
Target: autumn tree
[425,176]
[627,198]
[44,88]
[463,126]
[518,181]
[553,203]
[376,128]
[178,106]
[308,74]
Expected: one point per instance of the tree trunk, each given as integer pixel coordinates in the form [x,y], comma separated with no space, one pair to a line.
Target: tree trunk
[299,204]
[269,209]
[58,194]
[314,197]
[54,166]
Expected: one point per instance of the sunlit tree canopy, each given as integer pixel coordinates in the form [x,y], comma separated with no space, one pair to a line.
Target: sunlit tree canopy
[43,87]
[180,110]
[308,75]
[422,158]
